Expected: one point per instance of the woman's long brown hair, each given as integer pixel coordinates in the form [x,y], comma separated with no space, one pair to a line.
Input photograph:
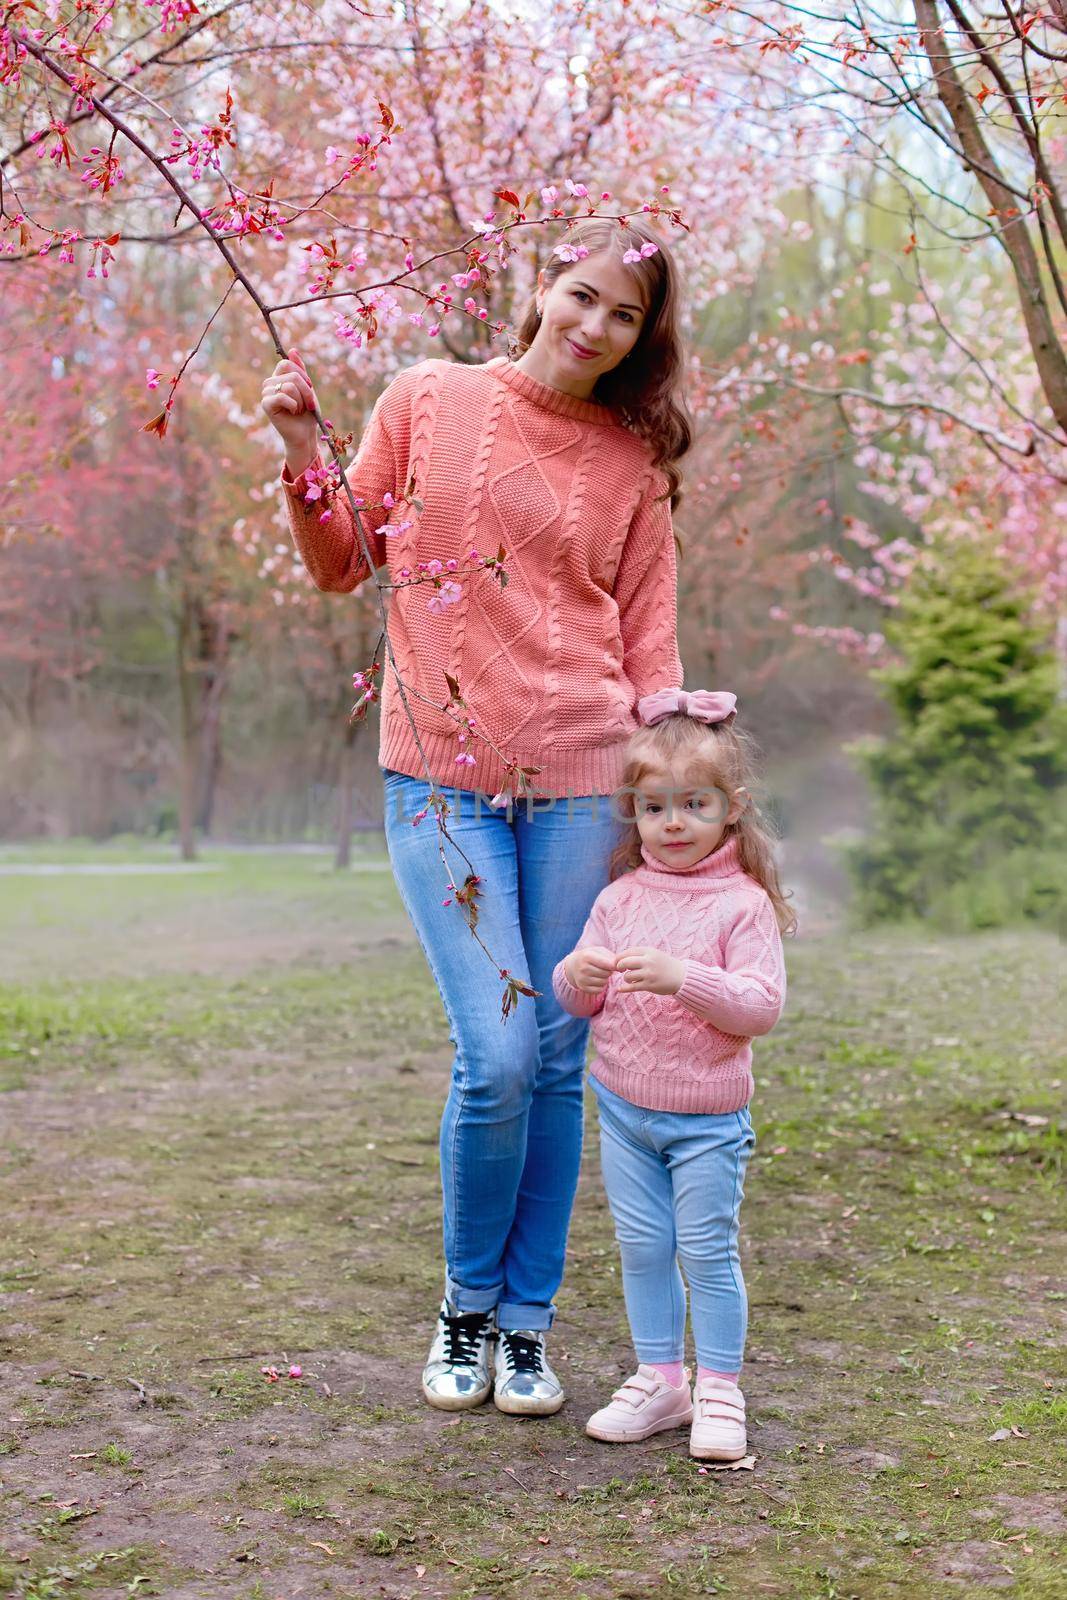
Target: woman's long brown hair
[645,389]
[709,755]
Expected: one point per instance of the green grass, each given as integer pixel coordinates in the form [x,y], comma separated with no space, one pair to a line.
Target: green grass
[127,1571]
[210,1171]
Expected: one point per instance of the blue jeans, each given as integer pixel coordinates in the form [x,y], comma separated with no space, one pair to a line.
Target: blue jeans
[674,1181]
[511,1134]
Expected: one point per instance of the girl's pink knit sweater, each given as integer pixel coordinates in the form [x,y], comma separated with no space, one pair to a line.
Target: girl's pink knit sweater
[689,1051]
[552,664]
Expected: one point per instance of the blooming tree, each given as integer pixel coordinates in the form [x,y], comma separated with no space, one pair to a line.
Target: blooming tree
[405,221]
[944,120]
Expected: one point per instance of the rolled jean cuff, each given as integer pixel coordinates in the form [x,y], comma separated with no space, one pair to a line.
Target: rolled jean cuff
[510,1314]
[466,1300]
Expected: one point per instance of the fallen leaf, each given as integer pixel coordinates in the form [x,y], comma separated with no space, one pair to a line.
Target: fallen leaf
[85,1455]
[420,1572]
[542,1538]
[1001,1433]
[317,1544]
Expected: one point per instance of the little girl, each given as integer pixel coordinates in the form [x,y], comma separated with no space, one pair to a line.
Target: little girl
[680,964]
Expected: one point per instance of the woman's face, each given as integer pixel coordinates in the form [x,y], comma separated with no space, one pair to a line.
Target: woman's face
[591,318]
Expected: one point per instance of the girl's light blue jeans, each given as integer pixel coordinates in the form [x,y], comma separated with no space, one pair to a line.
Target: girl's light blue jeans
[674,1181]
[511,1133]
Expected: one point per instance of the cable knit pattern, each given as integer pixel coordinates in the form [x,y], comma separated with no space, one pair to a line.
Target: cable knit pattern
[689,1051]
[552,664]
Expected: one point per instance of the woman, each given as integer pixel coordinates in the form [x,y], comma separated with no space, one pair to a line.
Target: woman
[567,457]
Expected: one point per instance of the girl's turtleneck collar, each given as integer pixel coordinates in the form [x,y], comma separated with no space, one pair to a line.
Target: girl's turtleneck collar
[723,864]
[547,397]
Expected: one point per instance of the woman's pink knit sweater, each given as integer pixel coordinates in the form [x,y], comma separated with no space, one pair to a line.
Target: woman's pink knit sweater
[552,664]
[689,1051]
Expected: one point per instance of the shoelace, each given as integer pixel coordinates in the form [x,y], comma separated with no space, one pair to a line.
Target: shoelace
[523,1353]
[462,1335]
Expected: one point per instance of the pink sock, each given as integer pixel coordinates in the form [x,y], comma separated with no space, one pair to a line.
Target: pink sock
[709,1372]
[673,1371]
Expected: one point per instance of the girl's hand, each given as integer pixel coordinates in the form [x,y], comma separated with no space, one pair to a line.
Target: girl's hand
[288,401]
[589,968]
[644,967]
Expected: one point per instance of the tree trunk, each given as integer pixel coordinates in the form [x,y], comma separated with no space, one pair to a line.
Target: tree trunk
[343,857]
[1049,355]
[347,764]
[215,642]
[187,581]
[189,741]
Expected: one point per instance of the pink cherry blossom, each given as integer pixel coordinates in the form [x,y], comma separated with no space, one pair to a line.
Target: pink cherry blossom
[649,248]
[442,598]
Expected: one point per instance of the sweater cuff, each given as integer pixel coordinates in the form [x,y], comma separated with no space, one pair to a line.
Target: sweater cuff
[299,485]
[577,1001]
[700,987]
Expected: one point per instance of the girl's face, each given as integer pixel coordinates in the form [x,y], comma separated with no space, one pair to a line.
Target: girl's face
[680,825]
[591,319]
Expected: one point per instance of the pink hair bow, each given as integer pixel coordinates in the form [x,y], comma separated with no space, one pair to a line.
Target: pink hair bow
[706,705]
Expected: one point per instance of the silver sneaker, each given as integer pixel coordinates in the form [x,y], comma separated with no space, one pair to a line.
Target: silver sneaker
[459,1373]
[526,1386]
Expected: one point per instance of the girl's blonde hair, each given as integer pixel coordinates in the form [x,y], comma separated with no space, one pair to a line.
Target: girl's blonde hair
[705,755]
[645,389]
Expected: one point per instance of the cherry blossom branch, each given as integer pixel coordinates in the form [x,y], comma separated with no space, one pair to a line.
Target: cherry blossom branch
[156,59]
[870,397]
